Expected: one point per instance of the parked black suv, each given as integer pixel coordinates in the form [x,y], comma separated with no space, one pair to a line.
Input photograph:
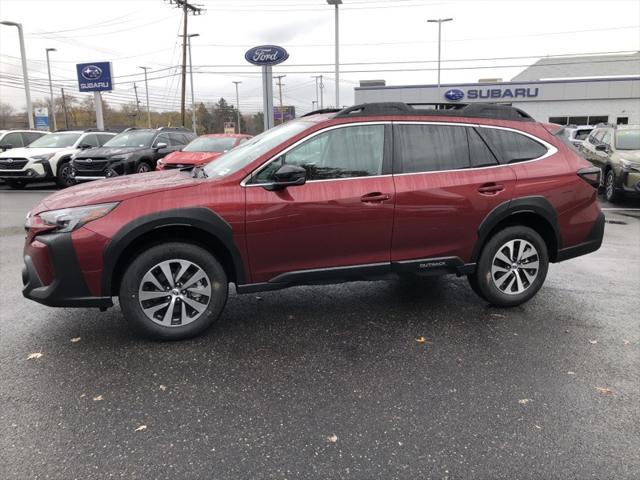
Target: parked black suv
[135,150]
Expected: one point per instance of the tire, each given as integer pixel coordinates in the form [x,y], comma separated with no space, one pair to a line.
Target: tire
[150,317]
[510,284]
[16,184]
[64,178]
[143,167]
[611,193]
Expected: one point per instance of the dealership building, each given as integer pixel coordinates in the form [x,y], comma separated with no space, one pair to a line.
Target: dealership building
[567,90]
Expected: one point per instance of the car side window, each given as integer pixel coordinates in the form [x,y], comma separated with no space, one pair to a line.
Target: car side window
[430,148]
[178,139]
[345,152]
[479,153]
[102,139]
[606,139]
[14,139]
[29,137]
[162,138]
[511,146]
[90,139]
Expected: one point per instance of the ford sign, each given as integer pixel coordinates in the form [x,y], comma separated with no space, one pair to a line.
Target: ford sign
[91,72]
[454,94]
[266,55]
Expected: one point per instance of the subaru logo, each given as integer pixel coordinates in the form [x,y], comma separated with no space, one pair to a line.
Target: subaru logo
[9,160]
[91,72]
[89,160]
[454,94]
[266,55]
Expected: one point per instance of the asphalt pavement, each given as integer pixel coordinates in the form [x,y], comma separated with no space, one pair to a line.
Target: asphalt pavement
[331,382]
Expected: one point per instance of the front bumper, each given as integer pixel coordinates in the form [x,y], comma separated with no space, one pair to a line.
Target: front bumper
[33,172]
[67,287]
[630,180]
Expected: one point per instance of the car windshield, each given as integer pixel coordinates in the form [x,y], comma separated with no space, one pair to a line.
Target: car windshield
[246,153]
[131,139]
[55,140]
[628,139]
[210,144]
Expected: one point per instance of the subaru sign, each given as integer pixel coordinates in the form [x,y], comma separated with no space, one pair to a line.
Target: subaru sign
[454,94]
[42,118]
[94,77]
[265,55]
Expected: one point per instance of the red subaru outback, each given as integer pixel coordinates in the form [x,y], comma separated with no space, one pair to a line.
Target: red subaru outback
[372,190]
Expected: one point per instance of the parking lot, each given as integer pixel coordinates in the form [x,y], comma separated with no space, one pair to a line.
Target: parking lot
[334,381]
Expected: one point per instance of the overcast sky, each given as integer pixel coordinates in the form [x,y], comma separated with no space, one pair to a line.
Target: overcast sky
[131,33]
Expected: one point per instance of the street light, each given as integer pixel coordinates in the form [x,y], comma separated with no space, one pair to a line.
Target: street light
[335,3]
[193,102]
[25,76]
[439,21]
[238,103]
[146,87]
[53,112]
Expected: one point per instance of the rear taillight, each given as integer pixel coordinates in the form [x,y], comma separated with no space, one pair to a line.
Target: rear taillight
[591,175]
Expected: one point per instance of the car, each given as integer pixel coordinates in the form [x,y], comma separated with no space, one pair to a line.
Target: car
[202,150]
[136,150]
[362,193]
[615,150]
[18,138]
[48,157]
[578,134]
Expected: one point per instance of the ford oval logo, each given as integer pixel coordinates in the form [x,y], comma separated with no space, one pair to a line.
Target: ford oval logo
[266,55]
[91,72]
[454,94]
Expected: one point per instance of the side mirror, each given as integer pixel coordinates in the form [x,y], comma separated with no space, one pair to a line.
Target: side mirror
[287,176]
[160,146]
[84,146]
[602,148]
[8,146]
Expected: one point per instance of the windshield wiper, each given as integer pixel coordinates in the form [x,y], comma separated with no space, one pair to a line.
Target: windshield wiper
[198,172]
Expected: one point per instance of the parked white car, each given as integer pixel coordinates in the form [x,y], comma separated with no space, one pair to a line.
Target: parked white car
[48,158]
[18,138]
[579,134]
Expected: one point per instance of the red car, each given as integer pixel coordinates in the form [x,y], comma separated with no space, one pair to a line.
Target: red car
[368,191]
[202,150]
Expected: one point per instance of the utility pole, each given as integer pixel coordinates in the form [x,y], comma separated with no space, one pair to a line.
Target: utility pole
[280,85]
[64,108]
[187,8]
[53,112]
[193,101]
[238,103]
[25,75]
[146,86]
[439,21]
[335,3]
[135,89]
[317,77]
[321,92]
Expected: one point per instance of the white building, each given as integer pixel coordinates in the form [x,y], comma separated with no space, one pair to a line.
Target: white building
[568,90]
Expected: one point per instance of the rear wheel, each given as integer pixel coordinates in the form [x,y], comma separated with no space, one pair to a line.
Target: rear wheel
[173,291]
[512,267]
[17,184]
[64,178]
[611,193]
[143,167]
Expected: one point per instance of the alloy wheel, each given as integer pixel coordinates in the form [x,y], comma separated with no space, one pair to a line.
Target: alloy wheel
[66,176]
[174,293]
[609,185]
[143,168]
[515,266]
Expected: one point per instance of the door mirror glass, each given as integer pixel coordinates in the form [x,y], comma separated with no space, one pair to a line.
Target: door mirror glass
[8,146]
[287,176]
[84,146]
[160,146]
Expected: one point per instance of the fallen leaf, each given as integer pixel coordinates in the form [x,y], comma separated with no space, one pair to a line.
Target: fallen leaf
[98,398]
[626,342]
[538,427]
[163,387]
[141,428]
[31,356]
[332,438]
[604,390]
[421,339]
[524,401]
[571,373]
[75,339]
[593,342]
[83,395]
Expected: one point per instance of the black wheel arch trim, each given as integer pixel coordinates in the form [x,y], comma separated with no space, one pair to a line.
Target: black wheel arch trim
[200,218]
[537,205]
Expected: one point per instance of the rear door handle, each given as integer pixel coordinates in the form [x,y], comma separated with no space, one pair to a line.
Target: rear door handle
[490,188]
[375,197]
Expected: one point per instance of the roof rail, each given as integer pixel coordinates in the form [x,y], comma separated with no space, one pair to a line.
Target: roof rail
[174,129]
[475,110]
[322,110]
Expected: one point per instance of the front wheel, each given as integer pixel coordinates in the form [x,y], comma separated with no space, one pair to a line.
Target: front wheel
[611,193]
[512,267]
[143,167]
[173,291]
[64,178]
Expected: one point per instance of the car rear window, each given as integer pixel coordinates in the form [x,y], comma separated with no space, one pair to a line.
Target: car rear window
[511,146]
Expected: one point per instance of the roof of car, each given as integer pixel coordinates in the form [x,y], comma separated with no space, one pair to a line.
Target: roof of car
[226,135]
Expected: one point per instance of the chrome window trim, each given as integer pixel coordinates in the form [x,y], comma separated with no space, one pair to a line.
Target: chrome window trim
[551,150]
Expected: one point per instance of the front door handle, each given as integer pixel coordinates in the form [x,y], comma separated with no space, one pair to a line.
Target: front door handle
[375,197]
[490,188]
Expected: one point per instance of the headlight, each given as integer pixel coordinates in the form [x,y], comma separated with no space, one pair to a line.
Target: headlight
[68,219]
[160,163]
[43,157]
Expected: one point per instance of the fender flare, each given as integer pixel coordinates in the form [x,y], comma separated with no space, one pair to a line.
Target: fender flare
[537,205]
[200,218]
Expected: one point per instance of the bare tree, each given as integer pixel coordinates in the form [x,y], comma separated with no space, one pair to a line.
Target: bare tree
[6,112]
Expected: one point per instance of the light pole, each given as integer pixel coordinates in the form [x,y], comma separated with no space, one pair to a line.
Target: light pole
[53,112]
[317,77]
[238,103]
[25,76]
[335,3]
[146,87]
[439,21]
[193,102]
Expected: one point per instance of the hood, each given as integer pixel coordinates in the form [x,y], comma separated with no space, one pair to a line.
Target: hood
[32,152]
[108,151]
[629,155]
[116,189]
[190,158]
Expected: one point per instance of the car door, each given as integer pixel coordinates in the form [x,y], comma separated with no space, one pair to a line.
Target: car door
[447,180]
[343,214]
[601,157]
